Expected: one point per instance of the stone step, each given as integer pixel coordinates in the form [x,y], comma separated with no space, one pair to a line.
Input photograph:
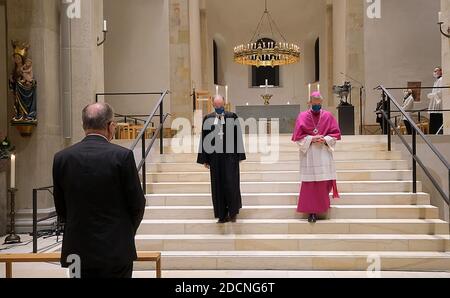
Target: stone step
[292,199]
[284,146]
[289,212]
[295,226]
[283,176]
[302,260]
[282,187]
[288,156]
[293,242]
[191,166]
[357,143]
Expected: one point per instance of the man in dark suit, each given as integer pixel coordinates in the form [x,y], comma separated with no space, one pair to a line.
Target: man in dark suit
[98,196]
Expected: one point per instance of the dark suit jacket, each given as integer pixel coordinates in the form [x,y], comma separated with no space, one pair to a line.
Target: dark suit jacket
[98,196]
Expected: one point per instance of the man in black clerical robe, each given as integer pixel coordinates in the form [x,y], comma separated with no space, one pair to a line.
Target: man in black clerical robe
[221,150]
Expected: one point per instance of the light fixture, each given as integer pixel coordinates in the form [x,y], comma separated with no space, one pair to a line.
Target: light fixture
[105,31]
[260,52]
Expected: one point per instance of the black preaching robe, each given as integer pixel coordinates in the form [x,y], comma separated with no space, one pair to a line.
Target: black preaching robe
[221,147]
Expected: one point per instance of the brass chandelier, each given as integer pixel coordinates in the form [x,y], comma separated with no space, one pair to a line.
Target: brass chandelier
[262,52]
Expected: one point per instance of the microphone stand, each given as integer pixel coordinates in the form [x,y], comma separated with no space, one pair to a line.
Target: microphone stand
[361,110]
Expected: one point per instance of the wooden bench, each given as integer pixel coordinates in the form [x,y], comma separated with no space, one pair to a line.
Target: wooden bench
[9,259]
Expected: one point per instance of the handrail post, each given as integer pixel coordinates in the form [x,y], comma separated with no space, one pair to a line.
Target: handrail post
[414,144]
[161,133]
[34,220]
[194,99]
[388,107]
[144,171]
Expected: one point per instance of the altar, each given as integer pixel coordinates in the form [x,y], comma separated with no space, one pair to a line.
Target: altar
[286,115]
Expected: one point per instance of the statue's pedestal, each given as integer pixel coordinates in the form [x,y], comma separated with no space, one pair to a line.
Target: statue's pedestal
[3,201]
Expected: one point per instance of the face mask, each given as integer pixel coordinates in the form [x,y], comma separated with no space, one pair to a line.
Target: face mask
[220,111]
[316,108]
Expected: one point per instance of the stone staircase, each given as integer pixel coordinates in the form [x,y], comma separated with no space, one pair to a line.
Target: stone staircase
[376,217]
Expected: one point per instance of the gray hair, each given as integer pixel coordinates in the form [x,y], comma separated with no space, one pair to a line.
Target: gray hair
[97,116]
[218,96]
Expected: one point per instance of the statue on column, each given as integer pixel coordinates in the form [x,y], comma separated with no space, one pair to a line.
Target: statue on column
[23,86]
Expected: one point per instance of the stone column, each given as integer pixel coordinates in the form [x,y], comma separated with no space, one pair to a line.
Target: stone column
[354,44]
[445,8]
[180,59]
[348,47]
[37,21]
[87,71]
[195,41]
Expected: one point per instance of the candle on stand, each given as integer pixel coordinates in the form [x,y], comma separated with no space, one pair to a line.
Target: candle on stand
[309,90]
[318,88]
[105,27]
[13,171]
[217,90]
[440,17]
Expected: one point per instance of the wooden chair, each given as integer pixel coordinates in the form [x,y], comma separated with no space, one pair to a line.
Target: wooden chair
[123,131]
[10,259]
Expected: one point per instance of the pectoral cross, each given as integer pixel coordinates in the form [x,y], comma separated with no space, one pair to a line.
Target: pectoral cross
[267,86]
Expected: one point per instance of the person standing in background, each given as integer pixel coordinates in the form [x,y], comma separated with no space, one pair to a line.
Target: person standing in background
[435,97]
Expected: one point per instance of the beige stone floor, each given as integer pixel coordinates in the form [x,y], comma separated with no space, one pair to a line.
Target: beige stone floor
[50,270]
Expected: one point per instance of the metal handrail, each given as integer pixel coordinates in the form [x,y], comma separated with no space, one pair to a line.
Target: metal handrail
[415,127]
[149,119]
[413,150]
[415,88]
[141,137]
[145,153]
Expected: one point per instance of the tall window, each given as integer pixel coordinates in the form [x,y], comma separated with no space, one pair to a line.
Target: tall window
[263,73]
[317,60]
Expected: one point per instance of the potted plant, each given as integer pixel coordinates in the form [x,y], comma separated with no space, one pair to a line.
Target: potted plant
[6,150]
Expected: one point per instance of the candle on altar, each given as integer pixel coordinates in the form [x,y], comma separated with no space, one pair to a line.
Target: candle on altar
[267,85]
[13,171]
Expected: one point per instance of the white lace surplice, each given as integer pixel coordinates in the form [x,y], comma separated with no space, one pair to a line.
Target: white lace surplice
[316,160]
